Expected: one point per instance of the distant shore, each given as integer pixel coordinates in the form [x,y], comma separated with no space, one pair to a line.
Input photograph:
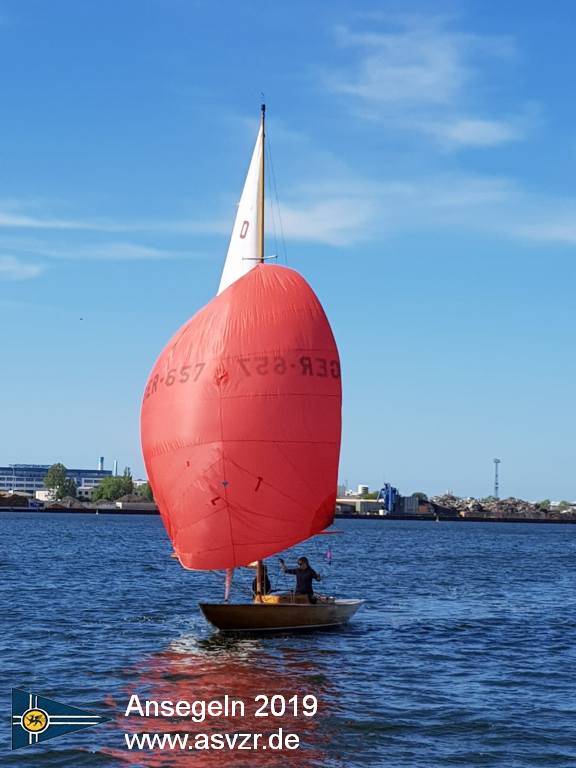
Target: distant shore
[339,516]
[470,519]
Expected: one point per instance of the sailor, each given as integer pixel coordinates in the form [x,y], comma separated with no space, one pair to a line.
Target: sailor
[305,575]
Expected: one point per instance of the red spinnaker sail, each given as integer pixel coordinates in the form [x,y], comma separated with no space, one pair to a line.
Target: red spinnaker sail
[241,423]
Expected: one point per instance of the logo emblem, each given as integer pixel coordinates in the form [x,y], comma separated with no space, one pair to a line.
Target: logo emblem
[36,718]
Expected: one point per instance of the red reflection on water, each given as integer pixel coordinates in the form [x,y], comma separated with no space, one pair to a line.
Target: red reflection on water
[207,670]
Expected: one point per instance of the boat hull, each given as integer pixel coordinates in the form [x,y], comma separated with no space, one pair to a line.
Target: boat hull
[269,617]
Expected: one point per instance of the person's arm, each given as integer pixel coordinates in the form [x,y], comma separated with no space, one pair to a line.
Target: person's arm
[317,576]
[292,571]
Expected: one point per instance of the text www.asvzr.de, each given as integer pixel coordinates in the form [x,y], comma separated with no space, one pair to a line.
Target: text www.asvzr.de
[276,740]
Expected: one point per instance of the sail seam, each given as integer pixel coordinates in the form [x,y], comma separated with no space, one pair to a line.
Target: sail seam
[225,483]
[279,394]
[155,452]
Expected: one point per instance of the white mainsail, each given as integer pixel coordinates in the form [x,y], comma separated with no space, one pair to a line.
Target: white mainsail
[243,249]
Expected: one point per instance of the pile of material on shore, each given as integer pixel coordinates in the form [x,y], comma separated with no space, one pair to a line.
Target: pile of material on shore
[503,508]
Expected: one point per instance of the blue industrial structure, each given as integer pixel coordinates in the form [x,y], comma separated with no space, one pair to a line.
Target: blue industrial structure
[29,478]
[389,496]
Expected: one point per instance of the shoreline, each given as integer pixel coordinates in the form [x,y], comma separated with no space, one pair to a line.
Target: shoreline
[340,516]
[470,519]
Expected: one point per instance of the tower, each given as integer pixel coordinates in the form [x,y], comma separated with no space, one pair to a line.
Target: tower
[496,462]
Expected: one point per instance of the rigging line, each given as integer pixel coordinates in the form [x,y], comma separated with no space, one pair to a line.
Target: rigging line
[241,583]
[279,211]
[275,189]
[215,573]
[283,580]
[272,209]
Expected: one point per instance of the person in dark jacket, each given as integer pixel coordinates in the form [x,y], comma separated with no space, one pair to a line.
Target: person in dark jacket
[305,575]
[267,587]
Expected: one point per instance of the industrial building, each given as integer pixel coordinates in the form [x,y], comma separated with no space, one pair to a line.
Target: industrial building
[29,478]
[403,505]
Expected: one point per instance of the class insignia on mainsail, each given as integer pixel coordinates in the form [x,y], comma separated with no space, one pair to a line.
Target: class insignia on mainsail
[241,424]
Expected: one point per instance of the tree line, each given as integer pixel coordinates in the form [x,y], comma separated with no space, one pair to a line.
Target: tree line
[109,489]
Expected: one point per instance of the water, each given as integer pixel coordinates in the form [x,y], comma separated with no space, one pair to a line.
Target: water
[464,654]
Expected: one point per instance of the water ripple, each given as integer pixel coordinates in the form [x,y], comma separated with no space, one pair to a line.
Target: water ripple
[464,654]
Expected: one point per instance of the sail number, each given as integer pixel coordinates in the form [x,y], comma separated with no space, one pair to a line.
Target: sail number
[305,366]
[263,365]
[174,376]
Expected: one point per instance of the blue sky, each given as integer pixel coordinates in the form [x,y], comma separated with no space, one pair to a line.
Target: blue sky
[424,156]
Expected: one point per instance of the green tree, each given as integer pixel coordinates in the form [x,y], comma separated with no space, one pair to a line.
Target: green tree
[112,488]
[109,489]
[145,491]
[127,482]
[69,488]
[545,504]
[57,482]
[55,476]
[420,495]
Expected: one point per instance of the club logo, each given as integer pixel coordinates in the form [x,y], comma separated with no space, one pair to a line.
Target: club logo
[36,718]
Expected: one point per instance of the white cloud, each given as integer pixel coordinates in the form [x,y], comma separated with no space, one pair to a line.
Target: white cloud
[12,268]
[113,251]
[421,76]
[338,220]
[413,66]
[83,251]
[338,208]
[17,221]
[475,132]
[187,226]
[451,202]
[32,254]
[13,220]
[343,211]
[552,229]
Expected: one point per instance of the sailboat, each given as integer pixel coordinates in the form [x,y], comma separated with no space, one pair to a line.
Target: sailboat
[241,425]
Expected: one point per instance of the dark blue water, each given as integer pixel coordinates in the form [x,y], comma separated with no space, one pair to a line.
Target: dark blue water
[464,654]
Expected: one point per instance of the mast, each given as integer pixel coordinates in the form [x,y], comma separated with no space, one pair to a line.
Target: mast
[260,563]
[259,579]
[261,190]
